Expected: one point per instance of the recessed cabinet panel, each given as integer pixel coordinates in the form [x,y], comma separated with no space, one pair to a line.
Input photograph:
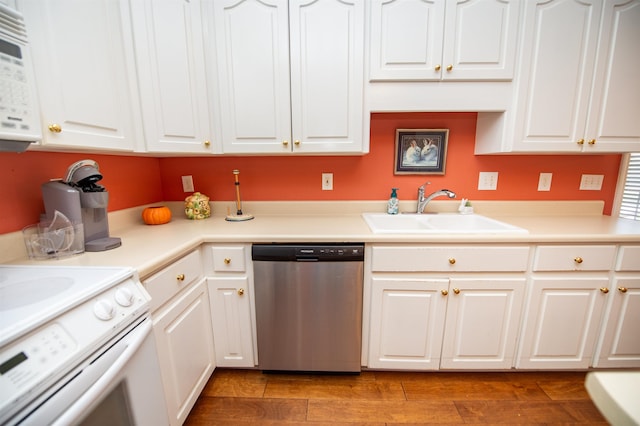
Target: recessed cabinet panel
[252,58]
[436,40]
[406,39]
[482,323]
[326,73]
[172,77]
[185,350]
[407,323]
[561,70]
[562,322]
[287,83]
[85,73]
[480,39]
[613,119]
[231,321]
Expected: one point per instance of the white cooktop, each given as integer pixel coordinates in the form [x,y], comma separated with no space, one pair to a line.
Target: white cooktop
[32,295]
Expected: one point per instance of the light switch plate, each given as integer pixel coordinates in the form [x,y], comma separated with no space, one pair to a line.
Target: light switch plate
[591,182]
[327,181]
[187,183]
[544,182]
[488,181]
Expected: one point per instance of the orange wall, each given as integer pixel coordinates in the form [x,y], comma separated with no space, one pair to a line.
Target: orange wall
[370,177]
[133,181]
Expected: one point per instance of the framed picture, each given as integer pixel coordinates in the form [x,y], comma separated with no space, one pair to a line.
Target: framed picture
[421,151]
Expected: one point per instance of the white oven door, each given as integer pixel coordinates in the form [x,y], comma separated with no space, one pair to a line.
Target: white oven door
[120,386]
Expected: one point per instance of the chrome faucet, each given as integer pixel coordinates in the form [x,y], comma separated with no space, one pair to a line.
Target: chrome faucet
[423,201]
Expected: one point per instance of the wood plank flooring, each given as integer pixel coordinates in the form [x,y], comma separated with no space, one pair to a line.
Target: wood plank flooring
[249,397]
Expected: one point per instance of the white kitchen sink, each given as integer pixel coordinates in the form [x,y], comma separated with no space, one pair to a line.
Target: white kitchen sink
[439,223]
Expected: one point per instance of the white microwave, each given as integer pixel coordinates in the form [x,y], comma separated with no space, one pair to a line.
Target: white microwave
[19,117]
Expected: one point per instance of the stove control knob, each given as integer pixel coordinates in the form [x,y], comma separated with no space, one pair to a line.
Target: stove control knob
[104,310]
[124,296]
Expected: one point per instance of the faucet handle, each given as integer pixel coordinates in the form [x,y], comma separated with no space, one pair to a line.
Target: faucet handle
[424,185]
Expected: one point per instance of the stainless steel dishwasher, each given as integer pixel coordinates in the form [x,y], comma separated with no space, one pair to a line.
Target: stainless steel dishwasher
[309,306]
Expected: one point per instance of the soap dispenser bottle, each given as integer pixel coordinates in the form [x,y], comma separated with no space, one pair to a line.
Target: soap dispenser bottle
[392,204]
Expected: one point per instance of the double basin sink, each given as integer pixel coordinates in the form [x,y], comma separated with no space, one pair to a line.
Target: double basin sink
[438,223]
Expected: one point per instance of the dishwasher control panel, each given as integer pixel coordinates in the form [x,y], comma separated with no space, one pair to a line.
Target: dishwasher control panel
[308,252]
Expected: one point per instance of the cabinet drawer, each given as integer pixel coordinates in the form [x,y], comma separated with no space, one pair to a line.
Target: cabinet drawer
[628,258]
[449,258]
[574,258]
[168,282]
[228,258]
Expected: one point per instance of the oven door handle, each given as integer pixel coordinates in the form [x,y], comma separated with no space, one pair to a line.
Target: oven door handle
[107,380]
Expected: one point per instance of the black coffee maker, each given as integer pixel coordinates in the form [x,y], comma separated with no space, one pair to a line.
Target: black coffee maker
[79,197]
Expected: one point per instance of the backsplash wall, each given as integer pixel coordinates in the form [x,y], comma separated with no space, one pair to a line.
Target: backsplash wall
[371,176]
[133,181]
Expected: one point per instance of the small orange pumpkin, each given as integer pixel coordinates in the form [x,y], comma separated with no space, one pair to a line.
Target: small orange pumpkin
[156,215]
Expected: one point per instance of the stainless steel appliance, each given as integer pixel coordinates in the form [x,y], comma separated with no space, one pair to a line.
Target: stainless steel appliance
[19,117]
[79,197]
[76,346]
[309,306]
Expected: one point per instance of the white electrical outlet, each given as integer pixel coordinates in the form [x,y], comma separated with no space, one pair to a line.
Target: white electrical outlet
[327,181]
[187,183]
[544,183]
[488,181]
[591,182]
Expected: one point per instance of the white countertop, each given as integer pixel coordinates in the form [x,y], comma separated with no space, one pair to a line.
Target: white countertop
[149,248]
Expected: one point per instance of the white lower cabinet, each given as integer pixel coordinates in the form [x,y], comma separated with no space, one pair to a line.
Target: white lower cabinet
[230,282]
[428,324]
[182,327]
[562,322]
[231,320]
[407,322]
[482,323]
[185,350]
[427,312]
[619,344]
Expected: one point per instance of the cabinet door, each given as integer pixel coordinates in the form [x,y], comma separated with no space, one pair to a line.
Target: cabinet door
[185,350]
[171,74]
[562,322]
[327,75]
[480,38]
[85,73]
[407,321]
[406,39]
[251,56]
[615,101]
[482,323]
[559,48]
[620,340]
[231,320]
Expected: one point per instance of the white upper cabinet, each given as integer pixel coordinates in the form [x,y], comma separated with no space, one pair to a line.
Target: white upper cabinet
[169,48]
[577,90]
[286,82]
[85,73]
[613,122]
[436,40]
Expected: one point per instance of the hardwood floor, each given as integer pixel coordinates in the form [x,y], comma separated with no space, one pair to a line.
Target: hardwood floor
[249,397]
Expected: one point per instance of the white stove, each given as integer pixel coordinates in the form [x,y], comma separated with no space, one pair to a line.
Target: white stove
[53,320]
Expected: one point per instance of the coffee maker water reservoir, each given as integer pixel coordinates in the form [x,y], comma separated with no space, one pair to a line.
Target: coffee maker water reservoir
[82,200]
